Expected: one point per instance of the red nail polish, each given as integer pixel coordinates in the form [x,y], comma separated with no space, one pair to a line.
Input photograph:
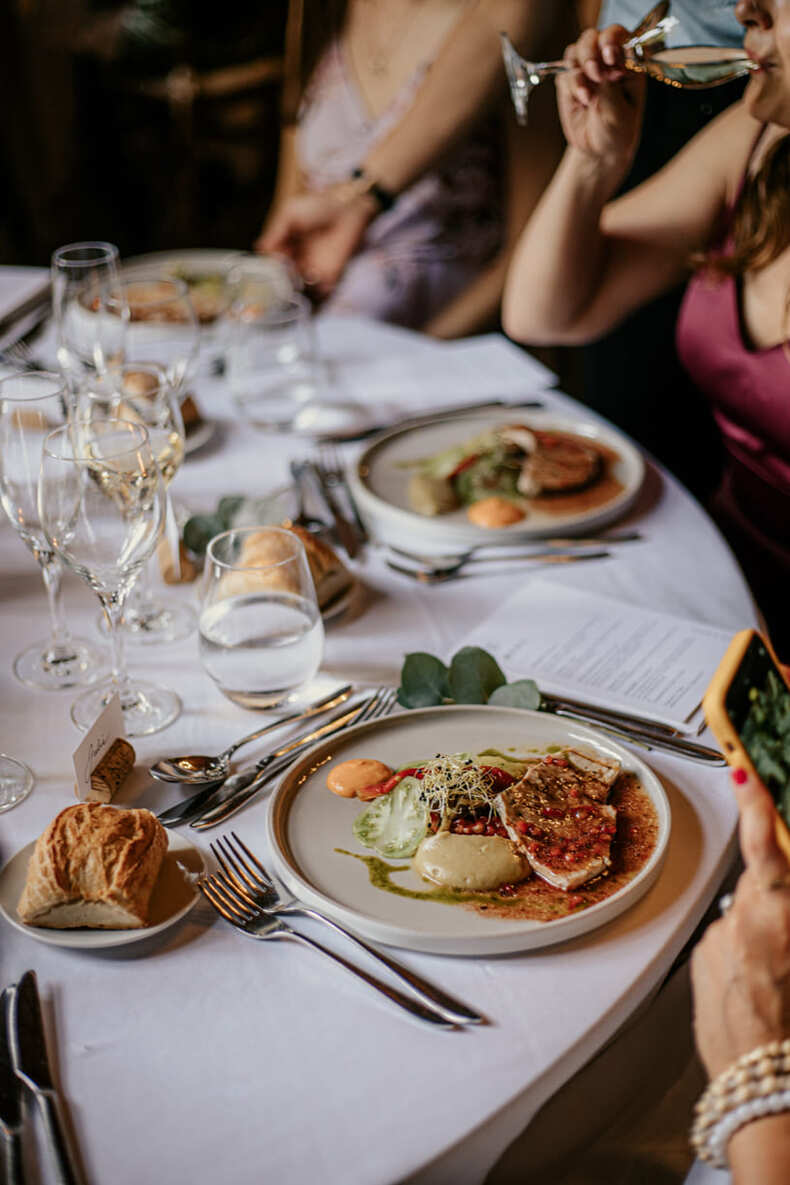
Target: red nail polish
[739,776]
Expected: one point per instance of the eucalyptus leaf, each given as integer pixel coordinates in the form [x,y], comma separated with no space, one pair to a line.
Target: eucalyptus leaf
[522,694]
[200,530]
[474,676]
[227,509]
[423,681]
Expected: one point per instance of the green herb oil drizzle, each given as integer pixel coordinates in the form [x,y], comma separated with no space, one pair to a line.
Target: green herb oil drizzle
[380,874]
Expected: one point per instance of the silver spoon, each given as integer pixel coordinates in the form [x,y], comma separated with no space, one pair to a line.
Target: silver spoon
[195,768]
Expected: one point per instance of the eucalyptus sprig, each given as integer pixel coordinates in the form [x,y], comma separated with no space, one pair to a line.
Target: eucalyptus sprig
[473,677]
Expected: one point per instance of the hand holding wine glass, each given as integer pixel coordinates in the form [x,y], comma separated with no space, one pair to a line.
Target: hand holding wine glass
[101,501]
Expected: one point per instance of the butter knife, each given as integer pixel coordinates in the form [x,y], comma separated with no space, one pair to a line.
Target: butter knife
[11,1115]
[31,1065]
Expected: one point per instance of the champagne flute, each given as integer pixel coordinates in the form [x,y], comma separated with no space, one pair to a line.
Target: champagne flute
[90,333]
[31,405]
[690,67]
[141,393]
[101,502]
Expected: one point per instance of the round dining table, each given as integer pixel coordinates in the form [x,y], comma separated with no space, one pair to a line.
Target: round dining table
[197,1056]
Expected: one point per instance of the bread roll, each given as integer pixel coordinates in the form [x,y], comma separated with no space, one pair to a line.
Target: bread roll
[94,866]
[266,550]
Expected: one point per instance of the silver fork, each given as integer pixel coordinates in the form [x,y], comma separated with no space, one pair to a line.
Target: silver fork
[331,464]
[258,924]
[256,887]
[380,705]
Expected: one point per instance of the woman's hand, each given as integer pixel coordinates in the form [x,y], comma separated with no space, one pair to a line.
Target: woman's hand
[741,968]
[600,102]
[319,232]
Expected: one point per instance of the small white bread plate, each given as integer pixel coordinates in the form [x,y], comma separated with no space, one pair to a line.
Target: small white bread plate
[307,824]
[174,894]
[379,481]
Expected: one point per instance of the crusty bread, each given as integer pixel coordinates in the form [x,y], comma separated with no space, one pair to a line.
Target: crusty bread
[269,551]
[94,866]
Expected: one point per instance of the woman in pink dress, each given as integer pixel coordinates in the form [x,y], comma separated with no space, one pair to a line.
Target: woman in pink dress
[412,181]
[720,210]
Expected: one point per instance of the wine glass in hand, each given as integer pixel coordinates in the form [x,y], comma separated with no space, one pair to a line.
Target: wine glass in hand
[31,405]
[101,501]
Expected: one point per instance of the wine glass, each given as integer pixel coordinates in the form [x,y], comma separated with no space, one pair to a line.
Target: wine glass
[261,632]
[690,67]
[16,782]
[90,334]
[141,393]
[162,327]
[101,501]
[31,405]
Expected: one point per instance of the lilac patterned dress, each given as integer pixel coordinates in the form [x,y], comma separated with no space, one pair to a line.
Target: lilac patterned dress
[442,230]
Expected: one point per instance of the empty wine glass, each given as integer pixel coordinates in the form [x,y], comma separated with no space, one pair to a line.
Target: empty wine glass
[16,781]
[142,394]
[31,405]
[162,326]
[90,334]
[261,633]
[101,501]
[690,67]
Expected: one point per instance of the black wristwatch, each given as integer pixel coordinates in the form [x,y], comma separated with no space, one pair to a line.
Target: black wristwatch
[385,198]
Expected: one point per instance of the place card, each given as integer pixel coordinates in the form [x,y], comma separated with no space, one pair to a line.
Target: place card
[604,652]
[95,744]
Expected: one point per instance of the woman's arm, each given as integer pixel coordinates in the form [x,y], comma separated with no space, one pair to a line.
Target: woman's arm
[586,261]
[531,156]
[466,76]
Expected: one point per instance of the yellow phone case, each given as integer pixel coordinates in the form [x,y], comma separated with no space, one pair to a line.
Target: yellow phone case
[714,707]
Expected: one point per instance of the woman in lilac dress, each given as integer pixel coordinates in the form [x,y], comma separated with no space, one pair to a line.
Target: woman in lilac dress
[722,207]
[412,181]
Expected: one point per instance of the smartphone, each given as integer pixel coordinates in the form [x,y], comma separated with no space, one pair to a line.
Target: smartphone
[747,707]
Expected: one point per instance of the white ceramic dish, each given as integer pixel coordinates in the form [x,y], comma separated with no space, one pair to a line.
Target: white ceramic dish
[379,482]
[307,823]
[173,897]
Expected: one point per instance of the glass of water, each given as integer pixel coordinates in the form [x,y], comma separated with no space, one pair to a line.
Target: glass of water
[261,633]
[272,362]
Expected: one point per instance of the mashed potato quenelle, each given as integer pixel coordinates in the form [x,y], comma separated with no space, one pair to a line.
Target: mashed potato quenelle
[473,862]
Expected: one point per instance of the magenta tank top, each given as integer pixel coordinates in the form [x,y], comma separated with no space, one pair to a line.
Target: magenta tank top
[749,390]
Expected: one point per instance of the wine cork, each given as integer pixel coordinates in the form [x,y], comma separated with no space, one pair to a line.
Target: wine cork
[108,776]
[167,568]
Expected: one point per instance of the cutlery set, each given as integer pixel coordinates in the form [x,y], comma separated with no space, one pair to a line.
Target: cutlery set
[248,897]
[25,1075]
[218,799]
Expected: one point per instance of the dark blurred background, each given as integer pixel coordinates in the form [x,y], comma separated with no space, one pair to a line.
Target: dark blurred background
[154,124]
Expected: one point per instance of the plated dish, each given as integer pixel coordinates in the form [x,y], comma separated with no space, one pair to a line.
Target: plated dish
[400,899]
[173,896]
[534,474]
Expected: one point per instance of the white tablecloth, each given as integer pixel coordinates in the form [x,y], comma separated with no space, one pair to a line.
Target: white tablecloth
[202,1056]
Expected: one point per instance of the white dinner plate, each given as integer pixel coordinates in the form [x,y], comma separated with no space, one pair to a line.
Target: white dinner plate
[379,481]
[307,824]
[174,895]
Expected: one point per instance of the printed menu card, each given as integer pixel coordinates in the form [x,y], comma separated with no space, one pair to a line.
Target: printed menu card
[604,652]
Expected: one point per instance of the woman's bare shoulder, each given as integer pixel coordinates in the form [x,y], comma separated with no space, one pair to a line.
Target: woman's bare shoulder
[728,142]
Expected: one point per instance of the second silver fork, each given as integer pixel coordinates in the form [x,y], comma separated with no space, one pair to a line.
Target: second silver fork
[249,879]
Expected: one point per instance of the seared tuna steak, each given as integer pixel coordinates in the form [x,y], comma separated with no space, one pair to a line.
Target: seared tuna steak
[556,817]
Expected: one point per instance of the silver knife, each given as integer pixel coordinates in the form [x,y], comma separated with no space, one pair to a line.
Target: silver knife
[346,532]
[10,1103]
[31,1065]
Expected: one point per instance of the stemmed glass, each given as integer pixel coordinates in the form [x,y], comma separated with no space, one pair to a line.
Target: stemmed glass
[90,333]
[162,327]
[141,393]
[16,781]
[31,405]
[101,501]
[690,67]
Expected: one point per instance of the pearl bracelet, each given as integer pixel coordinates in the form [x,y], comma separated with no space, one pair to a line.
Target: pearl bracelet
[757,1084]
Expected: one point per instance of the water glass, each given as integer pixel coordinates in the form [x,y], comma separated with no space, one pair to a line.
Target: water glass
[272,361]
[261,633]
[16,781]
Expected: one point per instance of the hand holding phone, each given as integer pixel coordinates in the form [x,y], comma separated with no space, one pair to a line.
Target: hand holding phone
[747,707]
